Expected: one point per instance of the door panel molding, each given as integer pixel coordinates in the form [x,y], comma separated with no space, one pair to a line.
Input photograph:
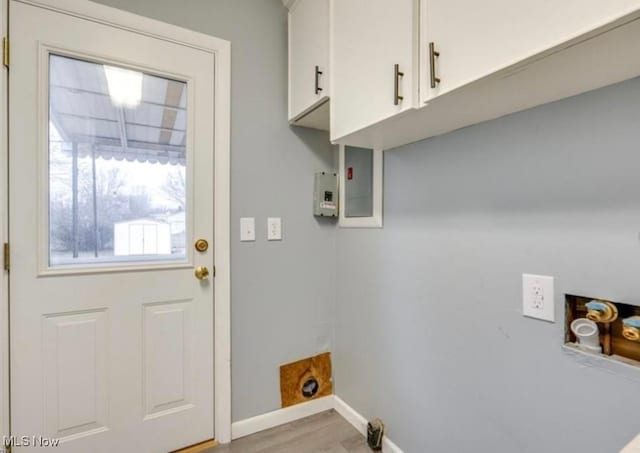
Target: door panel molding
[75,363]
[168,373]
[221,51]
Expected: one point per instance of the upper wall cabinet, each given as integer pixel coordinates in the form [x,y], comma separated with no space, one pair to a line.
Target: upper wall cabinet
[474,39]
[373,63]
[309,63]
[477,61]
[405,70]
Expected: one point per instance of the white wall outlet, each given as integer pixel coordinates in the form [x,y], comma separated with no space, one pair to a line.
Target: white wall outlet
[274,229]
[247,229]
[537,297]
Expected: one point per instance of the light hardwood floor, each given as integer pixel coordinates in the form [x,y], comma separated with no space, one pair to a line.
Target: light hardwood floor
[326,432]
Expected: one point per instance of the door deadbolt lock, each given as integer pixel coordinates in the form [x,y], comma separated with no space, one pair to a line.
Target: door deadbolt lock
[202,273]
[201,245]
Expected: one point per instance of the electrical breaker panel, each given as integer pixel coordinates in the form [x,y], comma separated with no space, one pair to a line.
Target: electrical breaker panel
[325,195]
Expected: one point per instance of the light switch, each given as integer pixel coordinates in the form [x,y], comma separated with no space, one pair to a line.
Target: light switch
[274,229]
[247,229]
[537,297]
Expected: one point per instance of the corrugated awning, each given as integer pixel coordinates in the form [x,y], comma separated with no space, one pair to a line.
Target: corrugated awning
[82,112]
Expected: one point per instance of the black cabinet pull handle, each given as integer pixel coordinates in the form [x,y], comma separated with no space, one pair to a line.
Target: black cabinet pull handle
[318,74]
[396,88]
[432,59]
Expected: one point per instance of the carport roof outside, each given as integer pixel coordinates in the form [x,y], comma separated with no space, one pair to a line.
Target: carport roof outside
[82,112]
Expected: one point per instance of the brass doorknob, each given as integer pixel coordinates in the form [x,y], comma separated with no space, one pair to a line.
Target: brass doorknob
[202,273]
[201,245]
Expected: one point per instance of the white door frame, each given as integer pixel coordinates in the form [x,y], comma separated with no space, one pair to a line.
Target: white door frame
[4,228]
[221,49]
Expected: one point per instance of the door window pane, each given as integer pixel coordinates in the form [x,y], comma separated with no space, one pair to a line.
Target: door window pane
[117,159]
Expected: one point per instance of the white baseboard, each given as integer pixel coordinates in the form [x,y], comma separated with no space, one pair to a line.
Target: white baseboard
[281,416]
[633,447]
[360,423]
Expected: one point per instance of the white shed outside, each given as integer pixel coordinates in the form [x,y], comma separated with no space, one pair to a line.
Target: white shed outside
[141,237]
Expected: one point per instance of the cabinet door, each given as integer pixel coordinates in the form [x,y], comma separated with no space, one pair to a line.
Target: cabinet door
[369,37]
[476,39]
[308,49]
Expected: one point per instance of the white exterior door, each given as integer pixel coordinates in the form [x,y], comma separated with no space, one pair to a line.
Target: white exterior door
[111,183]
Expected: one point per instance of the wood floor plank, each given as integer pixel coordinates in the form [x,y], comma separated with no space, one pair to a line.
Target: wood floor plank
[326,432]
[356,444]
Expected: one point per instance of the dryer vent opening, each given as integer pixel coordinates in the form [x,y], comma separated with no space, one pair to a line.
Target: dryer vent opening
[305,380]
[310,388]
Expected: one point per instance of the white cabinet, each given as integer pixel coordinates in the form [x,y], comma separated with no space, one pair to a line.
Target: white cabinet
[604,56]
[490,59]
[369,40]
[309,63]
[476,39]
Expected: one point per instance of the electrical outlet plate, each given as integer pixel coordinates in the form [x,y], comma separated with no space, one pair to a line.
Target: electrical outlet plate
[537,297]
[274,229]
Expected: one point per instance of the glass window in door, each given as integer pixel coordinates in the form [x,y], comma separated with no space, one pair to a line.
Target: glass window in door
[117,164]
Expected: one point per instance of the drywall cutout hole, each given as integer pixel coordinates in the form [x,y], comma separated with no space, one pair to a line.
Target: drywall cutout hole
[604,328]
[310,388]
[305,380]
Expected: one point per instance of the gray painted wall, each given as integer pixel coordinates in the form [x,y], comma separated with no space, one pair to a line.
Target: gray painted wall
[429,331]
[282,292]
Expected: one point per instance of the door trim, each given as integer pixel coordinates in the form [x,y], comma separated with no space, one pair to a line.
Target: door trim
[221,49]
[4,234]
